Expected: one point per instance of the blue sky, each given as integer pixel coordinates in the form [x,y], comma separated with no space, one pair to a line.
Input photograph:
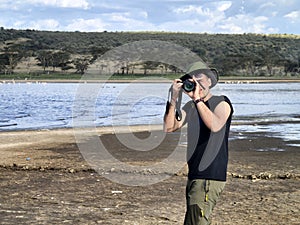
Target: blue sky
[211,16]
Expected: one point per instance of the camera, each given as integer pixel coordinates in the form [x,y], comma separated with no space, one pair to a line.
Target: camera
[187,84]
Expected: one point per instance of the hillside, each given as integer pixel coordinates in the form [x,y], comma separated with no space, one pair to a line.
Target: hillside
[74,52]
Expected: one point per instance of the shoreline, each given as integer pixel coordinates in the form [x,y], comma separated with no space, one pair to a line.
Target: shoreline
[252,155]
[140,127]
[163,80]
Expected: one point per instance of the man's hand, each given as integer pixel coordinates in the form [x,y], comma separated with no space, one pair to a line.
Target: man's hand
[177,84]
[198,92]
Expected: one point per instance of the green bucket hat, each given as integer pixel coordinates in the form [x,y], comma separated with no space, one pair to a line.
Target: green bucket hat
[200,67]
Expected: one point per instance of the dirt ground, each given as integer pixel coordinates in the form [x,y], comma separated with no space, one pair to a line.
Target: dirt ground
[45,180]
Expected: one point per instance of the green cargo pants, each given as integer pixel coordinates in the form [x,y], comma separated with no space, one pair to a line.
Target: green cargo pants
[201,197]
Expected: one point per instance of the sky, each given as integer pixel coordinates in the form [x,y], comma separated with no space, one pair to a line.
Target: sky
[210,16]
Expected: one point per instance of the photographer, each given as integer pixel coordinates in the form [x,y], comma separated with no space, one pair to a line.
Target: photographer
[208,119]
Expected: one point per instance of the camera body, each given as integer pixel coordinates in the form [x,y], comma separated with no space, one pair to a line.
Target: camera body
[187,84]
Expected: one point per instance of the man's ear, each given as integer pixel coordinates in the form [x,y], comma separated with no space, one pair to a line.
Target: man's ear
[209,81]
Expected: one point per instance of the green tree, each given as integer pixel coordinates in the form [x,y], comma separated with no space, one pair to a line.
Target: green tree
[149,65]
[270,58]
[60,59]
[44,58]
[97,51]
[81,64]
[3,63]
[12,56]
[28,55]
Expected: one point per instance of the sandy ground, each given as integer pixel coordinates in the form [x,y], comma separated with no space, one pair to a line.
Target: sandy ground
[44,179]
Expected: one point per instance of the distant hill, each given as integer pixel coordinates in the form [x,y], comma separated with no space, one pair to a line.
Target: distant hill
[35,51]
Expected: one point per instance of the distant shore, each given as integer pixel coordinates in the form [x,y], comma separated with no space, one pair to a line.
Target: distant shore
[163,80]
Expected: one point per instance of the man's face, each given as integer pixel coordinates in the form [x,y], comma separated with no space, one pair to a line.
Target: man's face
[204,81]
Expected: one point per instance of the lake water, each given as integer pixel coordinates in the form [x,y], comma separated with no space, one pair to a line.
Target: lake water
[272,108]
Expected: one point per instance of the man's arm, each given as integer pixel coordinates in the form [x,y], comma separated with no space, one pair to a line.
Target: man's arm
[214,120]
[170,122]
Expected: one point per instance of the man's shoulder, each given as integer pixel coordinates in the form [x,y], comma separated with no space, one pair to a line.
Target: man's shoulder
[220,98]
[217,99]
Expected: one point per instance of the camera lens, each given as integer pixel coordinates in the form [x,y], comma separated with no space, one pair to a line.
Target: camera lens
[188,85]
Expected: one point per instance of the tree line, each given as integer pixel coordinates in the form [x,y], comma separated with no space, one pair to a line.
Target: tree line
[75,52]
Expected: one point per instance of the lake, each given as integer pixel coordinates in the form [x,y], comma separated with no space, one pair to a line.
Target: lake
[272,108]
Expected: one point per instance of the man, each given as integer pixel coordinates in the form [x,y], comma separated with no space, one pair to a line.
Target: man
[208,118]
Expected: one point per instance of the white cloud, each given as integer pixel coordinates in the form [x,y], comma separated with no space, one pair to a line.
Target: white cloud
[193,9]
[267,5]
[192,25]
[130,24]
[223,6]
[244,24]
[119,17]
[25,4]
[9,5]
[211,16]
[198,18]
[293,15]
[61,3]
[220,6]
[284,3]
[111,22]
[47,24]
[86,25]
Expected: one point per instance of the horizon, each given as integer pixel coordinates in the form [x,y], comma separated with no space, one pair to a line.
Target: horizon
[152,31]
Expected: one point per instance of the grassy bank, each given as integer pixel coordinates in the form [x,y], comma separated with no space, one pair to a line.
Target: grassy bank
[127,77]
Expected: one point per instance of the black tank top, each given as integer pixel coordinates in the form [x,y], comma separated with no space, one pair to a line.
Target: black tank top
[207,152]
